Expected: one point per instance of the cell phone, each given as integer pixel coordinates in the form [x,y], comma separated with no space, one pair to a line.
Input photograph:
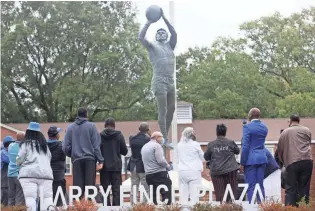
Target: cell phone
[244,122]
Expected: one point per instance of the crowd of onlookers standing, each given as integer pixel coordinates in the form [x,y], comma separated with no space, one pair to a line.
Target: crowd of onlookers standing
[31,163]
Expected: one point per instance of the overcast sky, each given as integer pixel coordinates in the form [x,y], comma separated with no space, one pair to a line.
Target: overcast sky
[199,23]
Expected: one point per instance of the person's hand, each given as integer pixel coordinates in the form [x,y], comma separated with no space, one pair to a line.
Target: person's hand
[99,166]
[162,13]
[241,168]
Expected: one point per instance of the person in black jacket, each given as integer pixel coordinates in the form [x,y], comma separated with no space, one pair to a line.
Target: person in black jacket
[113,145]
[58,162]
[222,163]
[135,165]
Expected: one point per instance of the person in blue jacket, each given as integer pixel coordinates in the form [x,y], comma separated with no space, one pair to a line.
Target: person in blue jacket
[4,169]
[253,157]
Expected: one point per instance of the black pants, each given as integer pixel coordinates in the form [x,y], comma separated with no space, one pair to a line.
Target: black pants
[16,195]
[84,174]
[112,178]
[4,195]
[62,184]
[298,181]
[160,178]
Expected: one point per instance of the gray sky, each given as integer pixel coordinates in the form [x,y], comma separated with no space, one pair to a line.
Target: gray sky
[199,23]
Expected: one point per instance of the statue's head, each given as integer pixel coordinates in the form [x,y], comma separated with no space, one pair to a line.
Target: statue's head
[161,35]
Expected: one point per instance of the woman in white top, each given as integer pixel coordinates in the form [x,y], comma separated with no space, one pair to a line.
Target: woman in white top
[190,166]
[35,173]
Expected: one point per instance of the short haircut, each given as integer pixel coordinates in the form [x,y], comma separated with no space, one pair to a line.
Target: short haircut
[82,112]
[161,29]
[110,122]
[221,130]
[295,118]
[144,127]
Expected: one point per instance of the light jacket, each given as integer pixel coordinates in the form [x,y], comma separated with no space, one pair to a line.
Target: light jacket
[13,151]
[34,164]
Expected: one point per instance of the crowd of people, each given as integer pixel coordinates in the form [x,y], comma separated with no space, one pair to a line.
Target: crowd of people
[31,163]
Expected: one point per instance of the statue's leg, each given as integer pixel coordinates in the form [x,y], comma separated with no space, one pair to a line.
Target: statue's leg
[161,99]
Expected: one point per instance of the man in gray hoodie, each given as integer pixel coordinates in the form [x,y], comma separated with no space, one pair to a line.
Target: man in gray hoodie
[82,145]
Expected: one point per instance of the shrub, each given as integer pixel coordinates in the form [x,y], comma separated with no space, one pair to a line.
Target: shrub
[222,207]
[141,207]
[173,207]
[13,208]
[83,205]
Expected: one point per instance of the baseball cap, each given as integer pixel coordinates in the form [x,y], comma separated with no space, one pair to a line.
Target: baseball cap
[53,131]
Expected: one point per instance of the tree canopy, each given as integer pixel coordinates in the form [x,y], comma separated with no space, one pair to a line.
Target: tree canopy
[58,56]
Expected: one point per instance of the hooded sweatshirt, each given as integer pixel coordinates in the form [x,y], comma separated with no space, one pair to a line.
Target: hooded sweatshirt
[113,145]
[82,141]
[13,152]
[58,159]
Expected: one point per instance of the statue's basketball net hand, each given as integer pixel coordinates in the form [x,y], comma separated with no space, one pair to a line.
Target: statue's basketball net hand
[162,13]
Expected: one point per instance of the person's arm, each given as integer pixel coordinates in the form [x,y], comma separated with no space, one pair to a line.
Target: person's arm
[21,157]
[158,152]
[235,148]
[142,34]
[207,154]
[62,154]
[96,143]
[173,38]
[245,145]
[280,147]
[4,157]
[199,151]
[67,143]
[123,146]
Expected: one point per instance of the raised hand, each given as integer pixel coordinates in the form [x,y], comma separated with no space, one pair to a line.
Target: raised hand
[162,13]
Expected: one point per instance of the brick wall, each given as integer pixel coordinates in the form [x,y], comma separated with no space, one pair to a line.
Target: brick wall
[6,132]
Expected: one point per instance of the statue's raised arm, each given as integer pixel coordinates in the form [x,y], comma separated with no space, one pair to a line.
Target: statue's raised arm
[173,38]
[143,33]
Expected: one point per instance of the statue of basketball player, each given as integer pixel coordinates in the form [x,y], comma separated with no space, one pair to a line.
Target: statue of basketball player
[163,60]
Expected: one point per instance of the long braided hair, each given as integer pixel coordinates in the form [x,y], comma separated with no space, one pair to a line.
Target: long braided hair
[36,140]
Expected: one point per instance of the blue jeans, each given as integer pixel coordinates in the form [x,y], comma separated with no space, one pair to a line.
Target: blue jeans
[255,174]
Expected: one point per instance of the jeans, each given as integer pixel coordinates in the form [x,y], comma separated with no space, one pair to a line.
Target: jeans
[136,180]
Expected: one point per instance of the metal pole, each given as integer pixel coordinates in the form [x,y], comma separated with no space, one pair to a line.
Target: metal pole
[174,122]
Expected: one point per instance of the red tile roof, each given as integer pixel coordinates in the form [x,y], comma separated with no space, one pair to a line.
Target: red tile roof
[205,129]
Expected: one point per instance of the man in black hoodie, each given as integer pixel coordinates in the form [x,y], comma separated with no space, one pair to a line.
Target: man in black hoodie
[113,145]
[57,163]
[82,145]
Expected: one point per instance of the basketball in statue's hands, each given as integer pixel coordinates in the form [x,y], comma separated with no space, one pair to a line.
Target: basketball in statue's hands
[153,13]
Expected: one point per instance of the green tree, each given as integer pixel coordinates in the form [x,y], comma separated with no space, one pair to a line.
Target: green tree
[58,56]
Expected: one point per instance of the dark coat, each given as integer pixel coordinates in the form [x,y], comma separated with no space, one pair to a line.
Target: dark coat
[113,146]
[58,160]
[136,143]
